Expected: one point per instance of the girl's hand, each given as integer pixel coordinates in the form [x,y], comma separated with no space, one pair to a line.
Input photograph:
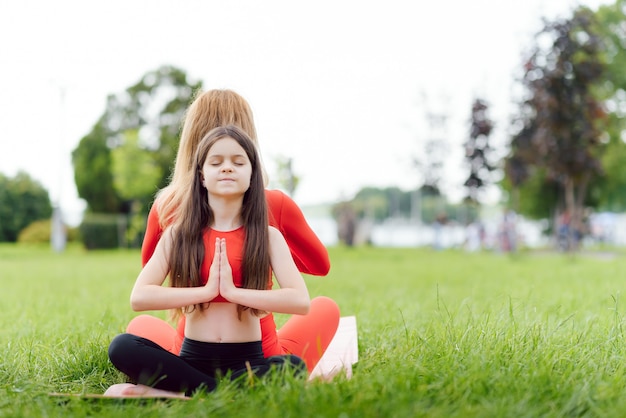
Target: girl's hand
[226,271]
[212,285]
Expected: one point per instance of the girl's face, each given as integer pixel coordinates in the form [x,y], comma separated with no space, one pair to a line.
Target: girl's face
[227,169]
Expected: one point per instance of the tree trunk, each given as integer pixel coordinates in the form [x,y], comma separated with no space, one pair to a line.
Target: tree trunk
[570,206]
[574,204]
[578,218]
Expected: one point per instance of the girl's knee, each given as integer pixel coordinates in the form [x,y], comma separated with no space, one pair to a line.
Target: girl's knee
[290,362]
[118,347]
[122,347]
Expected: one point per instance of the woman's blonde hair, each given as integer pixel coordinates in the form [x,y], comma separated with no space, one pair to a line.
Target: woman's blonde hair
[209,110]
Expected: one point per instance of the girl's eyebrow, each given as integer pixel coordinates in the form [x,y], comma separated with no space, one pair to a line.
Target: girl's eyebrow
[228,155]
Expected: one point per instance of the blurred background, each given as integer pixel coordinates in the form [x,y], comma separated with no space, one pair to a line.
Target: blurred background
[476,125]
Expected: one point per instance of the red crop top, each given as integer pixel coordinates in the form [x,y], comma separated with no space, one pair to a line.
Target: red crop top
[234,250]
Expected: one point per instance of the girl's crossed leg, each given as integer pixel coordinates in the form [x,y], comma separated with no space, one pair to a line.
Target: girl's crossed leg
[159,372]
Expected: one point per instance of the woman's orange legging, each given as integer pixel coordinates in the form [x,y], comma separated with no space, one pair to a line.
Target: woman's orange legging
[306,336]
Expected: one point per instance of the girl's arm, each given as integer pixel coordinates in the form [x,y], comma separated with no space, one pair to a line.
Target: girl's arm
[308,252]
[149,292]
[291,298]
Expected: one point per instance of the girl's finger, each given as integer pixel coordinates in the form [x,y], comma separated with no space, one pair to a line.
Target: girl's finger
[216,254]
[223,248]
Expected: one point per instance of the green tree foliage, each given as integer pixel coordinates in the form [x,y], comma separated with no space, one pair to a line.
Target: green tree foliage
[539,195]
[134,141]
[92,171]
[558,143]
[610,27]
[379,204]
[135,174]
[22,201]
[135,171]
[609,191]
[477,149]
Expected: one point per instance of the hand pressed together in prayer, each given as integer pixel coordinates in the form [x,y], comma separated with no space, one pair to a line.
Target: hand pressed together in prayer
[220,279]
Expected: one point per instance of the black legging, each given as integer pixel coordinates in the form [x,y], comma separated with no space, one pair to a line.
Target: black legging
[200,364]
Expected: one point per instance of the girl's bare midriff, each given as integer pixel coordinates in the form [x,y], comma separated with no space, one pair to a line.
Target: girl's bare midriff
[219,324]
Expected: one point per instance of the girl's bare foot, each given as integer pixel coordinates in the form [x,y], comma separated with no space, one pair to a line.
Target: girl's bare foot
[116,390]
[128,390]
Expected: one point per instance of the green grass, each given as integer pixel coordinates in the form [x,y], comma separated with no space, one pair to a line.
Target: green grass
[441,334]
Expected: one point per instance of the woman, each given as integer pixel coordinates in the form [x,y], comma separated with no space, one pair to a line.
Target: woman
[306,336]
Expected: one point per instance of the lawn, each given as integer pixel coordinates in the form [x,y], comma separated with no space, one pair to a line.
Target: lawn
[441,334]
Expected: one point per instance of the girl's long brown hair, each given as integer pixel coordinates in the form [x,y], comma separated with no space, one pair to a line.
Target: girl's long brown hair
[195,216]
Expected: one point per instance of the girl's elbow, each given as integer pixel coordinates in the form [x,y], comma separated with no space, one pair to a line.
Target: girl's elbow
[136,303]
[304,306]
[136,307]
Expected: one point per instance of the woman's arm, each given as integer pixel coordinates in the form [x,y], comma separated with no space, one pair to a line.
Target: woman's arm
[152,235]
[149,292]
[291,298]
[307,251]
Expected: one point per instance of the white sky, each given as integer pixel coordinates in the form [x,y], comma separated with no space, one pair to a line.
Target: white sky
[340,86]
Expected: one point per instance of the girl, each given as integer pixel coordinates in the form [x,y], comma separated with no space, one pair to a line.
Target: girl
[306,336]
[219,254]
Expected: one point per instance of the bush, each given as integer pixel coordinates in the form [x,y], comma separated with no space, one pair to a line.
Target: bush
[37,232]
[73,234]
[22,201]
[102,231]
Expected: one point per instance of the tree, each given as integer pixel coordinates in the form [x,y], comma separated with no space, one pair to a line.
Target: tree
[559,135]
[92,171]
[147,117]
[135,174]
[376,205]
[609,191]
[430,164]
[477,149]
[347,222]
[379,204]
[22,201]
[287,179]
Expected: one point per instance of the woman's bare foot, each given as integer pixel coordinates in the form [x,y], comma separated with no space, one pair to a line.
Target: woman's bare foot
[128,390]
